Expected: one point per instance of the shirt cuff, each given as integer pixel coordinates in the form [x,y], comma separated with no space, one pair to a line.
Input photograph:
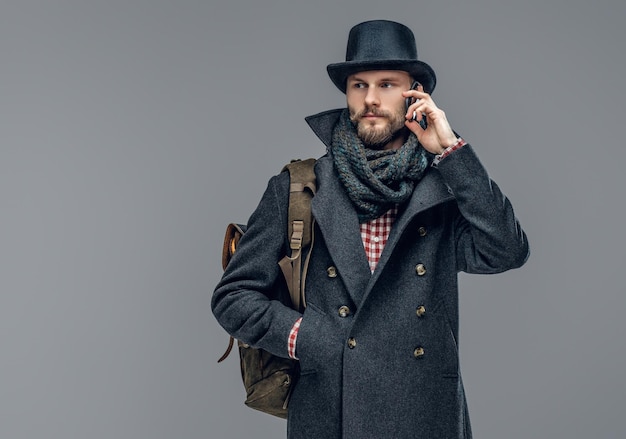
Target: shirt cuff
[446,152]
[293,335]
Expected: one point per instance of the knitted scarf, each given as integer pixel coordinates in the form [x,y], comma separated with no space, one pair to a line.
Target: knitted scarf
[375,180]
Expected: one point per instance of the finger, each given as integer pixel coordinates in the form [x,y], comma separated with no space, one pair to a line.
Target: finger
[417,118]
[417,127]
[427,107]
[413,114]
[415,94]
[416,110]
[417,106]
[421,98]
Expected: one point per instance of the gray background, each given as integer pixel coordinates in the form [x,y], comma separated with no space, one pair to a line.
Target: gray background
[132,131]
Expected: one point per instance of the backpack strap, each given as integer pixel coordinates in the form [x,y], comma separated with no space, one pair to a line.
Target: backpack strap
[300,226]
[300,231]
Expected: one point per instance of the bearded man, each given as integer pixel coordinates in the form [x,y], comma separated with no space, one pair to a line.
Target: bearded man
[403,205]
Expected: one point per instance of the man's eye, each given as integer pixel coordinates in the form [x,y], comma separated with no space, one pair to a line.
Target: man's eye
[359,85]
[386,85]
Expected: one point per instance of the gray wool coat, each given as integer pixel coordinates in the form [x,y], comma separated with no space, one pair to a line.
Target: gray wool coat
[378,351]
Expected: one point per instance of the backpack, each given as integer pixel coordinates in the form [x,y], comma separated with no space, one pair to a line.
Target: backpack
[268,379]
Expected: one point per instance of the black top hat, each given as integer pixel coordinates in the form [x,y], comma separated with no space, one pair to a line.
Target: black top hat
[382,45]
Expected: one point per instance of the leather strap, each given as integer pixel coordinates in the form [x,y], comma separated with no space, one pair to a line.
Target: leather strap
[300,231]
[228,349]
[300,226]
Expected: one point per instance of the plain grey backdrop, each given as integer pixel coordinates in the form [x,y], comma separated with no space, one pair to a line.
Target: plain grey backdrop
[133,131]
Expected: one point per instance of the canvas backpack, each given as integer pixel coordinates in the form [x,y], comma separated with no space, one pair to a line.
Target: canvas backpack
[268,379]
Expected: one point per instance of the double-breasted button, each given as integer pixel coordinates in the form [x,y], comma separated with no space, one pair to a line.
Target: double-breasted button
[418,352]
[331,271]
[344,311]
[352,342]
[422,231]
[420,311]
[420,269]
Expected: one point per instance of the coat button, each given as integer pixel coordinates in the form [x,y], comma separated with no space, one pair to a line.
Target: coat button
[420,269]
[344,311]
[422,231]
[331,271]
[418,352]
[351,342]
[420,311]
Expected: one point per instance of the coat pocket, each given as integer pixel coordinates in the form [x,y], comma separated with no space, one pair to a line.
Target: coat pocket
[308,344]
[445,346]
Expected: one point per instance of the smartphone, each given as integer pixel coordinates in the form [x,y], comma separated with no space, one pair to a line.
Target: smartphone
[409,101]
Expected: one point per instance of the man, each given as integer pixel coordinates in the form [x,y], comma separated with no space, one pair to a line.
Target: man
[403,204]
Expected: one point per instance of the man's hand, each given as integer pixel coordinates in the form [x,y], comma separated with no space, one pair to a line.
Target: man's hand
[438,134]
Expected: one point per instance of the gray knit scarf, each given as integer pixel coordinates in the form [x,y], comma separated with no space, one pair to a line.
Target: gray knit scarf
[375,180]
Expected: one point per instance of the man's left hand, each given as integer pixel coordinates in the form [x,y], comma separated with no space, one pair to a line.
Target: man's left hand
[438,134]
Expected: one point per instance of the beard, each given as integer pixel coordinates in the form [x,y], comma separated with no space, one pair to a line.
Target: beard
[377,137]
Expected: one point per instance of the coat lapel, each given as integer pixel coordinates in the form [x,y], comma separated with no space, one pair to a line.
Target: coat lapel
[337,219]
[429,191]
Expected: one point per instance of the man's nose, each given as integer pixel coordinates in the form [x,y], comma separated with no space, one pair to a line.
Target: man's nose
[371,98]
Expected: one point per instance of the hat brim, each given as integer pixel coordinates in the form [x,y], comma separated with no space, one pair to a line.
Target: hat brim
[419,70]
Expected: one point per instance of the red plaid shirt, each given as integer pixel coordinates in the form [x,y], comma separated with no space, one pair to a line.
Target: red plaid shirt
[460,143]
[374,234]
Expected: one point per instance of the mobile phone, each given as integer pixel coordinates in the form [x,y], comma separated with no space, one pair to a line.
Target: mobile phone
[409,101]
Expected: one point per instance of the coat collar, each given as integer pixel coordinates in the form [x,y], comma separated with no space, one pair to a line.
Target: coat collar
[323,123]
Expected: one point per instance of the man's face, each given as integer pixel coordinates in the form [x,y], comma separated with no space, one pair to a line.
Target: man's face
[377,106]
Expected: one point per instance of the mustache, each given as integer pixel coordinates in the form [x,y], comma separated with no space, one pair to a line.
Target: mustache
[372,111]
[356,117]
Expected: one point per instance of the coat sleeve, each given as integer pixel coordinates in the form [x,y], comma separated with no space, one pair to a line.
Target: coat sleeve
[488,236]
[246,301]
